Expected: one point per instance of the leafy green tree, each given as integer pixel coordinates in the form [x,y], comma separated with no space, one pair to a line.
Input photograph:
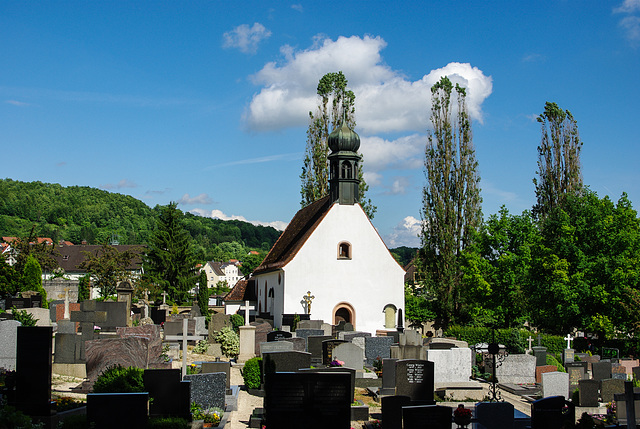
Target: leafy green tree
[170,259]
[28,246]
[32,278]
[451,199]
[559,169]
[203,295]
[109,266]
[251,262]
[417,308]
[10,279]
[332,87]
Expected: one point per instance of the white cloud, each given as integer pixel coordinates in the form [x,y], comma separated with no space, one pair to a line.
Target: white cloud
[533,58]
[386,101]
[17,103]
[297,7]
[405,233]
[403,153]
[218,214]
[246,38]
[628,6]
[198,199]
[124,183]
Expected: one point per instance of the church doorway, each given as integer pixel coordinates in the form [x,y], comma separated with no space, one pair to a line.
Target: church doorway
[344,312]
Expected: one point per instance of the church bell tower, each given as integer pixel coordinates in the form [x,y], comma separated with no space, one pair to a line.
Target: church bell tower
[344,185]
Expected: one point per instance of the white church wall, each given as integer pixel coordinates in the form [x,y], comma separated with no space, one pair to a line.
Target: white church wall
[368,281]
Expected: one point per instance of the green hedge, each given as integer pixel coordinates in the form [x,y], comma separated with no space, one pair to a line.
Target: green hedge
[514,339]
[252,373]
[118,379]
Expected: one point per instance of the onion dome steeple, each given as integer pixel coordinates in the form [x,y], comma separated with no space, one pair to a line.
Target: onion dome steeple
[343,164]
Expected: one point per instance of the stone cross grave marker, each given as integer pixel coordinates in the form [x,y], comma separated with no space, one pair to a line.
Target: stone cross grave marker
[185,327]
[568,338]
[164,298]
[247,308]
[306,301]
[530,340]
[66,303]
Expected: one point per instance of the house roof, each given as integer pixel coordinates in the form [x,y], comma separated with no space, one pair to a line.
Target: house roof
[295,235]
[218,267]
[244,290]
[69,257]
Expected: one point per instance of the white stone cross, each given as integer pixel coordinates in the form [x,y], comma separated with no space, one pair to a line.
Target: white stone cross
[185,327]
[67,314]
[530,339]
[246,307]
[164,298]
[569,338]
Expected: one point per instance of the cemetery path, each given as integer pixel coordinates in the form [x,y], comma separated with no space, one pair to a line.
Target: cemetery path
[246,403]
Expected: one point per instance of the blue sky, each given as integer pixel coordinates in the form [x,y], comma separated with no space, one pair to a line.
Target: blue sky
[206,103]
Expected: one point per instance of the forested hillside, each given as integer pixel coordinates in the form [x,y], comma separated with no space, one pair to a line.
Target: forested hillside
[78,213]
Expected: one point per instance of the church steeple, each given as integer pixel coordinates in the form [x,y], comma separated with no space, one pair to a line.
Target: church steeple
[343,164]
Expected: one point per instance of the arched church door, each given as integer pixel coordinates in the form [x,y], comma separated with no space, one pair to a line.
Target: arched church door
[343,314]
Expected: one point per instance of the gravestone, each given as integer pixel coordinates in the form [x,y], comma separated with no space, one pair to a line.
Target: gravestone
[285,361]
[313,400]
[601,370]
[327,350]
[314,346]
[351,372]
[410,337]
[275,346]
[415,379]
[208,390]
[151,333]
[262,329]
[158,315]
[552,412]
[609,388]
[33,370]
[618,372]
[278,335]
[131,410]
[426,416]
[349,336]
[495,415]
[392,410]
[162,385]
[590,360]
[306,333]
[8,343]
[555,384]
[517,369]
[299,344]
[589,392]
[568,355]
[101,354]
[310,324]
[628,364]
[542,369]
[350,354]
[541,355]
[576,374]
[67,348]
[388,377]
[211,367]
[451,366]
[377,347]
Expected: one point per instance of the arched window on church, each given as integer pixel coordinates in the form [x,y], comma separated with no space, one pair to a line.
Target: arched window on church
[344,250]
[346,170]
[390,316]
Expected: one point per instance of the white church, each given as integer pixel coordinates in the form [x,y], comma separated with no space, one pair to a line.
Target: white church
[332,252]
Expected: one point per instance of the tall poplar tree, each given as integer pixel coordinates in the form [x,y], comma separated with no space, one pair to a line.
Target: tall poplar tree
[451,199]
[335,100]
[559,169]
[170,259]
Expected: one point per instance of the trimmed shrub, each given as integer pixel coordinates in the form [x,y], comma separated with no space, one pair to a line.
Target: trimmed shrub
[118,379]
[229,342]
[252,373]
[552,360]
[236,321]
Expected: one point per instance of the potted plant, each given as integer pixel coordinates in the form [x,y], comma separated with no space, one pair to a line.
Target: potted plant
[462,416]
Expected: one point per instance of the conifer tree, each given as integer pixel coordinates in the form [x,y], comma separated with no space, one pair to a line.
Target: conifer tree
[451,199]
[203,295]
[170,258]
[559,169]
[315,171]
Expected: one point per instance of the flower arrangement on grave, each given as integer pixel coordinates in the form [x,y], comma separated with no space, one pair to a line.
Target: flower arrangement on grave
[336,363]
[212,415]
[462,415]
[64,403]
[96,329]
[377,365]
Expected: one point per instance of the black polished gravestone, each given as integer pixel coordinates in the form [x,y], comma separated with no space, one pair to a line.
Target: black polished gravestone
[277,335]
[351,371]
[415,379]
[601,370]
[589,392]
[314,346]
[327,350]
[287,361]
[113,410]
[388,377]
[392,410]
[33,370]
[426,416]
[162,385]
[553,412]
[314,400]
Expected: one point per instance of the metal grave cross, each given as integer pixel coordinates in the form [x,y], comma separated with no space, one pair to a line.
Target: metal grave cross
[307,300]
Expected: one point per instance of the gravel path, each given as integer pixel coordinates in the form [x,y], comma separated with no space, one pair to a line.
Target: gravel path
[246,403]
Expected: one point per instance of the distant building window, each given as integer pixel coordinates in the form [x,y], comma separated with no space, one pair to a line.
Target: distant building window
[344,250]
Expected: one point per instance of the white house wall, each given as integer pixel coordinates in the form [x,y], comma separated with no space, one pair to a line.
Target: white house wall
[368,281]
